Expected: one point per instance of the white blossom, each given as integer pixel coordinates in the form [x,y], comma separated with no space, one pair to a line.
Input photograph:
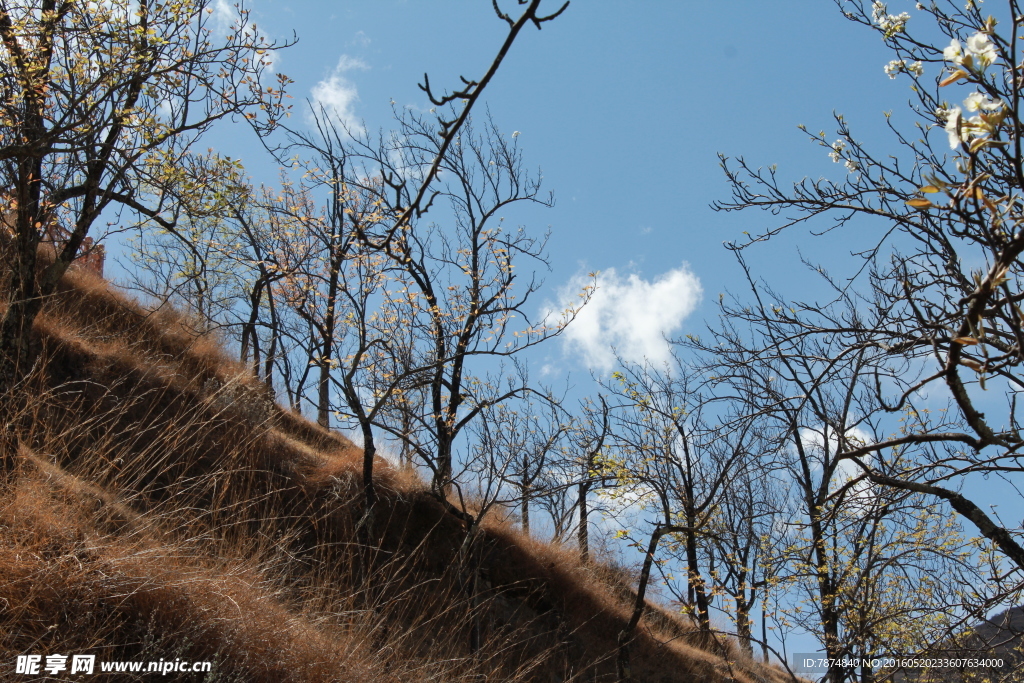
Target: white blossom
[979,52]
[982,48]
[953,53]
[890,24]
[852,166]
[878,11]
[898,66]
[954,128]
[837,151]
[977,101]
[515,134]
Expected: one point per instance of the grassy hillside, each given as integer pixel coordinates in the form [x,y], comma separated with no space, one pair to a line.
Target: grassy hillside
[155,503]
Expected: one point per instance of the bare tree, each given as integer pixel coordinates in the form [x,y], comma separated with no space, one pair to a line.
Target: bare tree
[374,307]
[856,549]
[669,462]
[591,437]
[194,266]
[320,244]
[745,540]
[466,275]
[99,102]
[938,293]
[384,256]
[518,442]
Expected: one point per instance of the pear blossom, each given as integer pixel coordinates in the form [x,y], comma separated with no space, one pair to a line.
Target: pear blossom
[852,166]
[979,52]
[980,45]
[961,129]
[953,127]
[515,134]
[837,149]
[890,24]
[953,52]
[977,101]
[898,66]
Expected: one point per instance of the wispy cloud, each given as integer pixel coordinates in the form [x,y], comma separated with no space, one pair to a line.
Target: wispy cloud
[814,444]
[225,16]
[629,316]
[337,95]
[224,21]
[360,39]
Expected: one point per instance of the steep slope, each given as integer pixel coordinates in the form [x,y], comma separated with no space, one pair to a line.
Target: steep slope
[156,504]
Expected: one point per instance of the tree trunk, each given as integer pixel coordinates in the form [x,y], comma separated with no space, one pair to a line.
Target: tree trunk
[743,630]
[16,326]
[698,592]
[626,634]
[327,339]
[443,474]
[365,528]
[524,491]
[369,492]
[526,509]
[826,593]
[323,403]
[764,630]
[583,532]
[249,338]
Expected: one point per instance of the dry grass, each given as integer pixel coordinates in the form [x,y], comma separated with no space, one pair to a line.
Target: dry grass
[160,505]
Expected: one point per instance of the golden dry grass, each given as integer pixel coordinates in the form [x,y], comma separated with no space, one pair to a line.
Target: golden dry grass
[160,505]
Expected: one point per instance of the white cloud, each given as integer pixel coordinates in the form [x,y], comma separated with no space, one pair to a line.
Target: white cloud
[629,316]
[346,63]
[165,111]
[224,21]
[361,39]
[337,95]
[624,507]
[847,470]
[225,16]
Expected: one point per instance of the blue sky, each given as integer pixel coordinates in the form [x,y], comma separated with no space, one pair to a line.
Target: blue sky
[624,107]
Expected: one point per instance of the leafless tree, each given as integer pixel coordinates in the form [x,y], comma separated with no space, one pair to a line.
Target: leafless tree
[668,461]
[937,294]
[101,101]
[591,437]
[466,272]
[855,548]
[517,442]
